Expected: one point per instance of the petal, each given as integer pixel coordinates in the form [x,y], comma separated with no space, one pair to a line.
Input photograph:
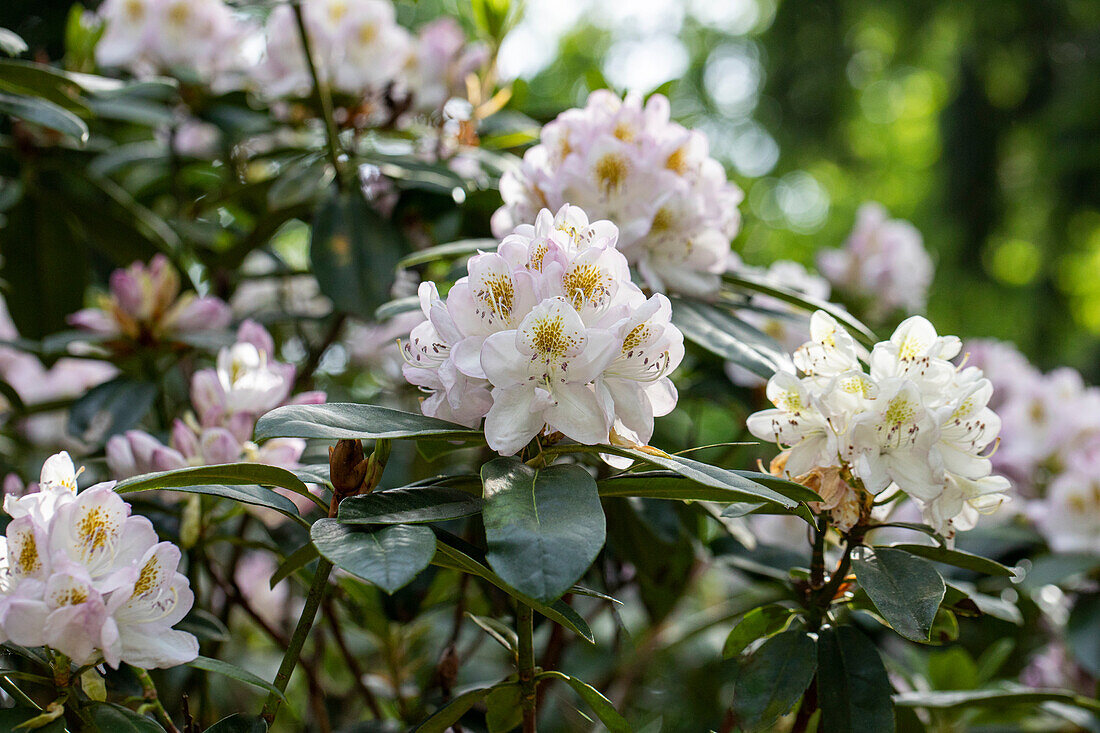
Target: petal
[514,419]
[576,412]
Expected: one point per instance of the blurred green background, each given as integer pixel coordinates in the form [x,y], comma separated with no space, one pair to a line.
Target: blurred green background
[979,122]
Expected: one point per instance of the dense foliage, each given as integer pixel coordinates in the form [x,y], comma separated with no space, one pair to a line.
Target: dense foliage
[369,388]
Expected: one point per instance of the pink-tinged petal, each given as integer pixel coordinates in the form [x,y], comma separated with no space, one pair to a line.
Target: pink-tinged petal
[600,350]
[281,452]
[157,647]
[314,397]
[128,291]
[501,360]
[466,355]
[184,440]
[241,426]
[251,332]
[577,413]
[220,446]
[167,459]
[514,418]
[142,447]
[199,314]
[94,320]
[23,621]
[76,630]
[208,396]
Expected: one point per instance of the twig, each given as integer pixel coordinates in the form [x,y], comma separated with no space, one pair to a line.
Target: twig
[353,663]
[152,700]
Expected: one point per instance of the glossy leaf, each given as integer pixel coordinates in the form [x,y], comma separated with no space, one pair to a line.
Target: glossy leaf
[448,251]
[453,553]
[504,708]
[1083,633]
[45,113]
[301,557]
[905,589]
[117,719]
[772,680]
[409,506]
[389,557]
[226,473]
[601,706]
[998,698]
[244,494]
[239,723]
[111,408]
[957,558]
[232,671]
[758,623]
[354,253]
[544,527]
[853,689]
[339,421]
[442,720]
[727,336]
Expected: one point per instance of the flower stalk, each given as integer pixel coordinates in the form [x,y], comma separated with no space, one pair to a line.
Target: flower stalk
[322,94]
[525,628]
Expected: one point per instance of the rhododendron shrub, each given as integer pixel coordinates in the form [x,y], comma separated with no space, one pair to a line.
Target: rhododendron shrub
[397,410]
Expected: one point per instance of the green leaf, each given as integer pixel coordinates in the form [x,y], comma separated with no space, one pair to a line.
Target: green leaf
[239,723]
[301,557]
[389,557]
[500,632]
[441,720]
[11,43]
[504,708]
[354,253]
[409,506]
[244,494]
[226,669]
[727,336]
[12,717]
[236,474]
[110,409]
[31,79]
[451,250]
[958,559]
[756,284]
[45,113]
[601,706]
[772,680]
[205,625]
[670,485]
[544,527]
[1083,633]
[761,622]
[340,420]
[453,553]
[852,687]
[301,181]
[117,719]
[905,589]
[998,698]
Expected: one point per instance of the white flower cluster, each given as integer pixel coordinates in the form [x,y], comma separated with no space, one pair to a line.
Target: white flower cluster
[1050,444]
[202,37]
[913,423]
[626,162]
[547,334]
[883,262]
[82,576]
[360,50]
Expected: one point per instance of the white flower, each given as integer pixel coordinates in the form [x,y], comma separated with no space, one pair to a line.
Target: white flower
[621,160]
[883,261]
[249,381]
[86,578]
[541,374]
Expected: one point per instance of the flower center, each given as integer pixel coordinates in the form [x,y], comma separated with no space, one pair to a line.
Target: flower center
[611,171]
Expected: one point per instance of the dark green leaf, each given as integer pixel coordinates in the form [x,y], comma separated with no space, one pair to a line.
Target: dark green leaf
[205,625]
[772,680]
[354,253]
[301,182]
[852,687]
[11,717]
[504,708]
[111,408]
[442,720]
[388,557]
[448,251]
[958,559]
[239,723]
[1083,633]
[339,421]
[498,631]
[117,719]
[1055,569]
[217,666]
[228,473]
[301,557]
[454,554]
[669,485]
[409,506]
[758,623]
[544,527]
[28,78]
[998,698]
[45,113]
[905,589]
[721,333]
[601,706]
[245,494]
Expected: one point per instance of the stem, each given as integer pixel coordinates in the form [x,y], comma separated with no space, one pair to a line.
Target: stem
[353,663]
[525,627]
[321,92]
[298,640]
[807,709]
[152,700]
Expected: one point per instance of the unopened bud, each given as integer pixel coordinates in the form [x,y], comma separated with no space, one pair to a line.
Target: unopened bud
[347,467]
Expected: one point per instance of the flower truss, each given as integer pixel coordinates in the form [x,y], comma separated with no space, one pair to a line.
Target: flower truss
[145,306]
[82,576]
[547,335]
[884,262]
[616,159]
[227,400]
[913,423]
